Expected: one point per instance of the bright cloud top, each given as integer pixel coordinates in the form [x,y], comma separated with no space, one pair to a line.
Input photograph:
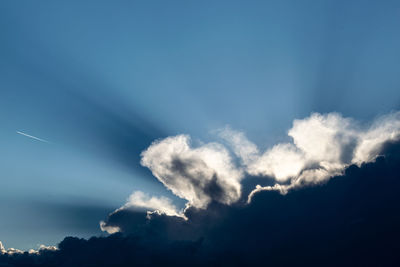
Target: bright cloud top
[142,201]
[322,146]
[162,205]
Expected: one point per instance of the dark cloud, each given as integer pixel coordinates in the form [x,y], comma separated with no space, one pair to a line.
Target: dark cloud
[211,188]
[353,220]
[128,221]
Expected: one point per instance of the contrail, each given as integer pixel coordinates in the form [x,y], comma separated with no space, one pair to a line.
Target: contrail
[31,136]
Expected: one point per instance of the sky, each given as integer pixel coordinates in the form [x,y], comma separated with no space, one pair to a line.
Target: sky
[86,87]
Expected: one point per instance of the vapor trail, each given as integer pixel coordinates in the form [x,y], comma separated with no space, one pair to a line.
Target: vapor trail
[31,136]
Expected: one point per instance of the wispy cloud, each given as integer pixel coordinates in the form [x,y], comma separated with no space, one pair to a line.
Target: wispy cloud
[33,137]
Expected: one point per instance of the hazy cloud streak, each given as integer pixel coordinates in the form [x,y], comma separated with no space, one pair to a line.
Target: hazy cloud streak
[33,137]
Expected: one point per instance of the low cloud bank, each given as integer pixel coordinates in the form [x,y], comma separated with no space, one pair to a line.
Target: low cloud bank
[12,251]
[351,221]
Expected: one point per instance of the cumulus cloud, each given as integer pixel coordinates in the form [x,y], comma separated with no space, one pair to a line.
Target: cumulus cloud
[322,146]
[2,248]
[319,220]
[9,251]
[200,175]
[14,251]
[351,222]
[382,130]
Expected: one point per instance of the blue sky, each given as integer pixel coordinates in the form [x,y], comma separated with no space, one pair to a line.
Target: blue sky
[100,81]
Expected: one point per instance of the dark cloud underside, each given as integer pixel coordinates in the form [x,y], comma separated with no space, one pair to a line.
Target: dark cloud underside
[351,221]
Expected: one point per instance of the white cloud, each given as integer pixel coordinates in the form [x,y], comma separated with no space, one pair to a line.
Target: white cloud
[2,248]
[109,229]
[281,161]
[324,138]
[199,175]
[11,251]
[44,247]
[161,205]
[322,147]
[383,129]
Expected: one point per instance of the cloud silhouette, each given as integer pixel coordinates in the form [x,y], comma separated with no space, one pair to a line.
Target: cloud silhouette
[350,221]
